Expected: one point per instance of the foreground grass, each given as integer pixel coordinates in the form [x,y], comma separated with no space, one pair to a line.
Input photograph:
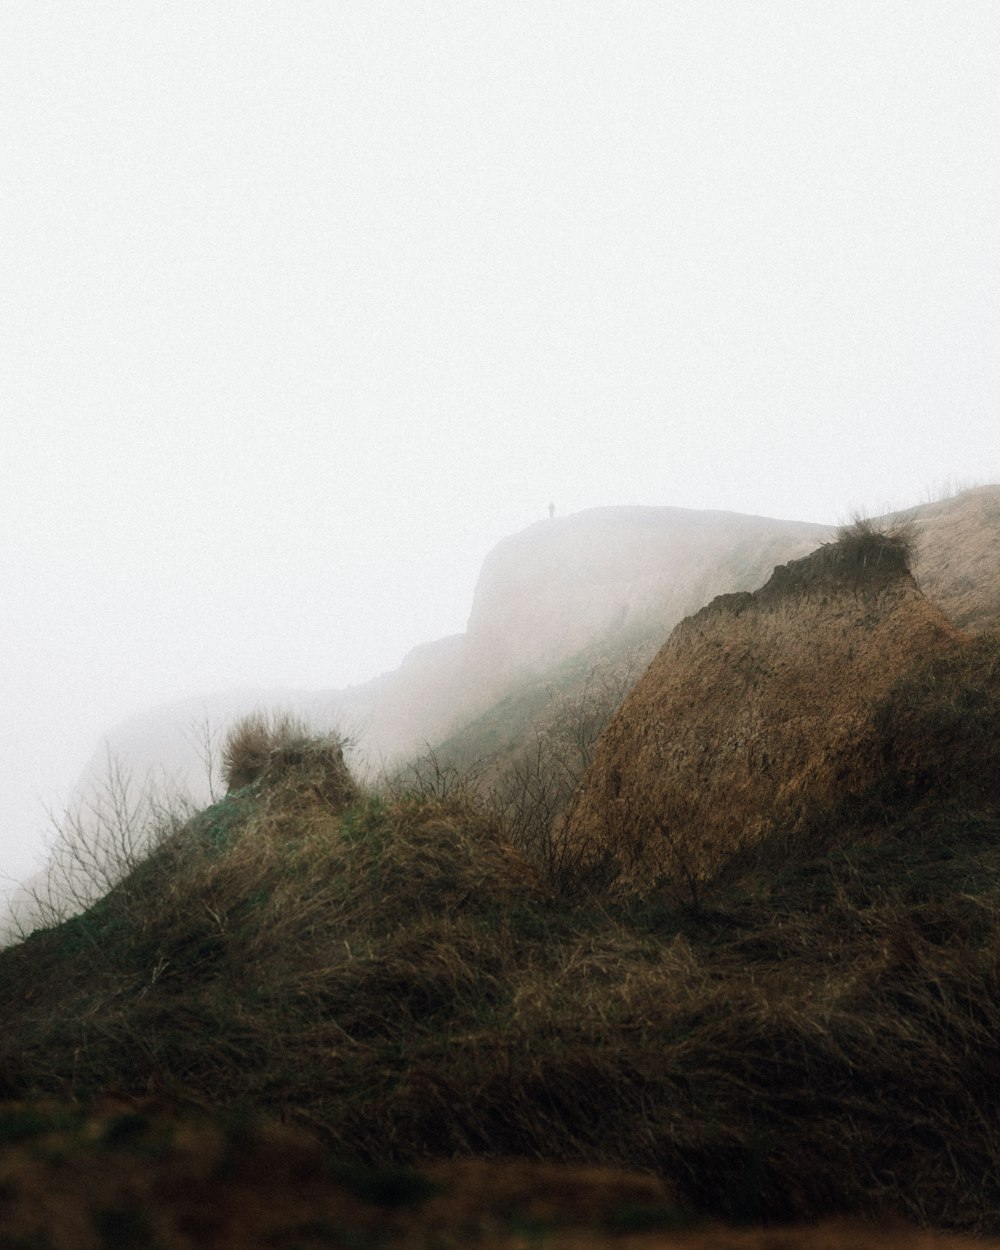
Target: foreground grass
[395,976]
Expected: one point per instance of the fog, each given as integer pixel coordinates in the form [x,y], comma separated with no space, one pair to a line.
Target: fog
[304,306]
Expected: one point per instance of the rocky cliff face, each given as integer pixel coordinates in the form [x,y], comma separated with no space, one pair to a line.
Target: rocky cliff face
[760,712]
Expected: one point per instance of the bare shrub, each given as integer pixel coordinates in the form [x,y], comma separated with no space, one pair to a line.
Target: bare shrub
[205,738]
[528,793]
[431,776]
[101,840]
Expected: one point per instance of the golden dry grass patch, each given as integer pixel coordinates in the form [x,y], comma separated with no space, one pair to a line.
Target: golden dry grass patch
[760,711]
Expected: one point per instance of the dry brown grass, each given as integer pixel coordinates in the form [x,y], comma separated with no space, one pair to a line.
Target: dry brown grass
[394,975]
[761,713]
[265,744]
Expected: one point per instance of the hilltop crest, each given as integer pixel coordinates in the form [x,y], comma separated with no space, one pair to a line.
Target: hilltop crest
[867,556]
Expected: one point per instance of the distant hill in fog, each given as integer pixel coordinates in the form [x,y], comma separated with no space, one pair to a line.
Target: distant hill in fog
[602,586]
[554,589]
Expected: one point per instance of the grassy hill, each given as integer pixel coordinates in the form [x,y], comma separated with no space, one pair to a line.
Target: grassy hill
[426,975]
[392,971]
[953,559]
[768,717]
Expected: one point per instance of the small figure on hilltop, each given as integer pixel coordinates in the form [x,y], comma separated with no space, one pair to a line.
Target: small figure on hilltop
[552,511]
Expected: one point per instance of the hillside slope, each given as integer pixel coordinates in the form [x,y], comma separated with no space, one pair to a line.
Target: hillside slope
[566,614]
[392,972]
[765,714]
[601,581]
[812,1029]
[595,585]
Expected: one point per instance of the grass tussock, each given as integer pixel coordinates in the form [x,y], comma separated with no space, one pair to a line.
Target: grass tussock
[867,541]
[266,745]
[392,972]
[278,750]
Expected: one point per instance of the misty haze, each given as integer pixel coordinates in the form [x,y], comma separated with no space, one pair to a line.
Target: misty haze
[501,561]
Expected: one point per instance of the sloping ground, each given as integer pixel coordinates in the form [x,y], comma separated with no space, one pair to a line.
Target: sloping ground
[593,590]
[608,580]
[605,580]
[765,713]
[389,973]
[819,1034]
[955,561]
[957,558]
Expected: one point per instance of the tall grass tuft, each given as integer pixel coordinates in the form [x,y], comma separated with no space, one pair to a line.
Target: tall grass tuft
[864,540]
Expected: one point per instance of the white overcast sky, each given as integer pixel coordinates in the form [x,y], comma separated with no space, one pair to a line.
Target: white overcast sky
[304,305]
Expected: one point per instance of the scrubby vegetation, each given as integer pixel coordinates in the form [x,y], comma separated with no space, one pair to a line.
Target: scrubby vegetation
[267,743]
[391,970]
[418,969]
[526,768]
[864,539]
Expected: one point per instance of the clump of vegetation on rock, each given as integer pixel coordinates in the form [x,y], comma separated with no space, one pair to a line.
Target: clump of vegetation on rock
[268,750]
[866,540]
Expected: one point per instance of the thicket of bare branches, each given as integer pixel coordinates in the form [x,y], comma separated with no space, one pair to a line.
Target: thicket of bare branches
[100,840]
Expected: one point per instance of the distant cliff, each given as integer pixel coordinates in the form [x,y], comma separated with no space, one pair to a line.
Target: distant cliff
[542,595]
[562,587]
